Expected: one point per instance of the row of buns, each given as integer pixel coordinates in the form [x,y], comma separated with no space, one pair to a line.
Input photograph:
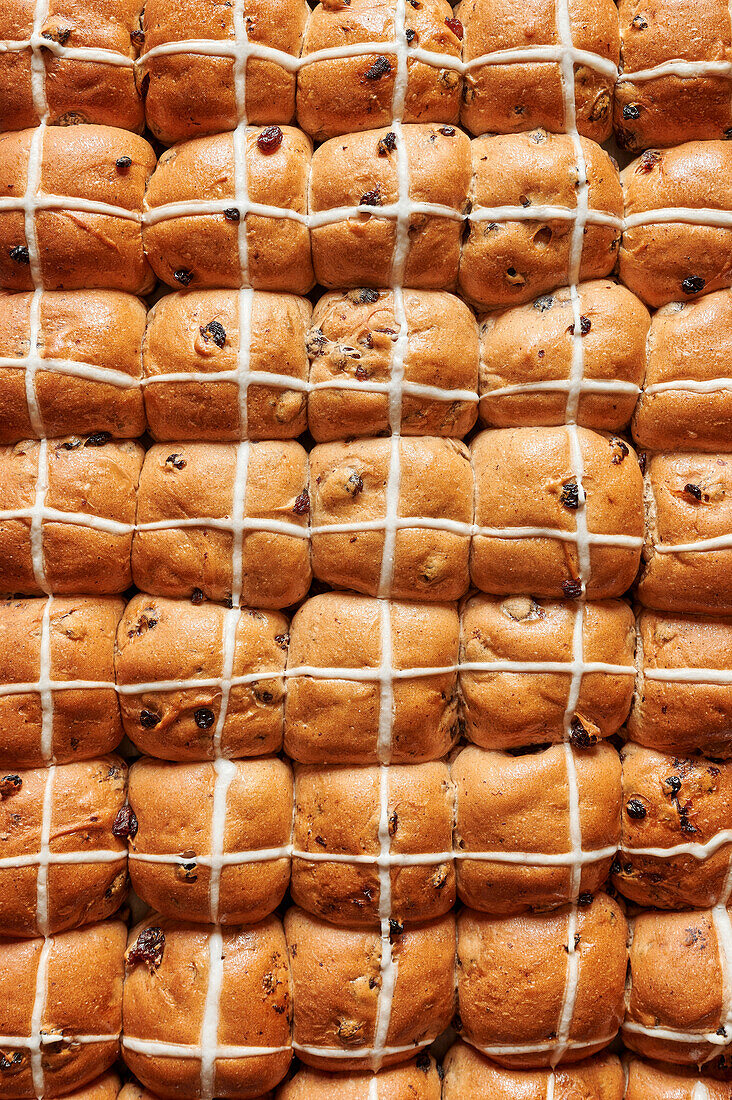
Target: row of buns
[318,990]
[492,829]
[224,365]
[89,207]
[655,76]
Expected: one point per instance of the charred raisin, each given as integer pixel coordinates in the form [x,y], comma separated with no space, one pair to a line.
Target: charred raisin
[270,139]
[214,332]
[148,949]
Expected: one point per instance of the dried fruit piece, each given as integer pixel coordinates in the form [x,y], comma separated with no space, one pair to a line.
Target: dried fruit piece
[148,949]
[125,823]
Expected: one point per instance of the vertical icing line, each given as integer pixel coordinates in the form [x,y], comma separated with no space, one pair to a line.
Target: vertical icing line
[44,854]
[244,357]
[44,685]
[373,1089]
[33,363]
[550,1085]
[723,928]
[36,525]
[388,966]
[30,200]
[39,1007]
[211,1011]
[239,136]
[38,67]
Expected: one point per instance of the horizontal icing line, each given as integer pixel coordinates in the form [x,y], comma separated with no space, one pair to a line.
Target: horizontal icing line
[708,385]
[107,375]
[549,859]
[360,1052]
[565,385]
[248,523]
[68,202]
[541,213]
[689,675]
[91,54]
[568,668]
[720,542]
[414,389]
[392,210]
[390,859]
[687,215]
[56,685]
[695,848]
[457,527]
[188,685]
[254,378]
[286,381]
[160,1049]
[226,859]
[677,67]
[32,1042]
[215,47]
[536,1048]
[675,1036]
[200,207]
[80,519]
[34,859]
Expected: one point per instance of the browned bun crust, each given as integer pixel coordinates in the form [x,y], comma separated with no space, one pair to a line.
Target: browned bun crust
[419,1079]
[200,332]
[510,261]
[83,89]
[164,1003]
[102,328]
[358,251]
[348,484]
[173,640]
[668,109]
[190,94]
[105,1087]
[688,500]
[85,800]
[86,721]
[511,803]
[667,802]
[518,96]
[677,260]
[674,716]
[469,1074]
[337,985]
[532,344]
[664,1082]
[337,720]
[520,475]
[173,804]
[677,986]
[94,477]
[76,248]
[82,996]
[688,341]
[337,812]
[201,249]
[352,339]
[509,710]
[357,93]
[197,481]
[512,974]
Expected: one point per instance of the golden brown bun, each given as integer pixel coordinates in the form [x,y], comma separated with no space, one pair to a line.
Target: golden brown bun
[348,484]
[668,109]
[357,93]
[677,260]
[682,716]
[506,261]
[337,720]
[508,710]
[417,1080]
[688,501]
[101,328]
[85,800]
[105,1087]
[201,249]
[506,98]
[197,481]
[75,89]
[353,340]
[469,1074]
[337,812]
[688,341]
[94,479]
[362,168]
[532,345]
[668,802]
[133,1090]
[177,641]
[513,804]
[173,805]
[85,721]
[199,332]
[338,988]
[677,1005]
[189,94]
[165,998]
[81,995]
[658,1081]
[512,973]
[521,477]
[76,248]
